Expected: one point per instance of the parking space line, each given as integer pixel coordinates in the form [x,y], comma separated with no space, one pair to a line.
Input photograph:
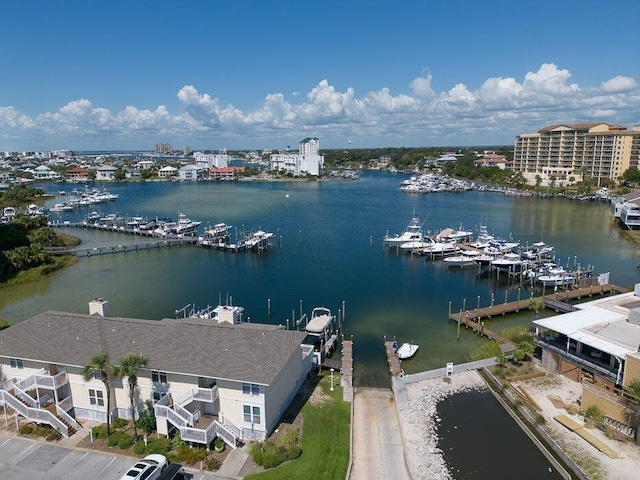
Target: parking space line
[7,440]
[102,471]
[82,457]
[27,449]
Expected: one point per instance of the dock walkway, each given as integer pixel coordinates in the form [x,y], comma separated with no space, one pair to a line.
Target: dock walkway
[120,247]
[558,301]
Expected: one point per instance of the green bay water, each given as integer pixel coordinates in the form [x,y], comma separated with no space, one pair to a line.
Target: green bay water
[328,249]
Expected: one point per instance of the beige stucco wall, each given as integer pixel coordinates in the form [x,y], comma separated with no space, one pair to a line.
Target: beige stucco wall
[232,401]
[276,394]
[631,369]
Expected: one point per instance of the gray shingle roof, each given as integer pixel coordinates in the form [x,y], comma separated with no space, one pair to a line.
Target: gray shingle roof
[254,353]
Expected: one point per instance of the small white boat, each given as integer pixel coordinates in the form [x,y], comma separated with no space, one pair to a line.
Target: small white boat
[406,350]
[459,261]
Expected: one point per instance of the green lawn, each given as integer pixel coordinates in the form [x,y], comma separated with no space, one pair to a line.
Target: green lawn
[325,441]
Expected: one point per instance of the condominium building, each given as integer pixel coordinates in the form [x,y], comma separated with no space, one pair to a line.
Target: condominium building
[567,153]
[307,161]
[205,377]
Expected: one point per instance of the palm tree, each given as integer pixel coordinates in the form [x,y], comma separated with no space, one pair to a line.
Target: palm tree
[129,367]
[99,364]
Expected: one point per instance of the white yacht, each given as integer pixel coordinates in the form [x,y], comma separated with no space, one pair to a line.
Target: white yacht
[413,233]
[556,277]
[508,261]
[483,239]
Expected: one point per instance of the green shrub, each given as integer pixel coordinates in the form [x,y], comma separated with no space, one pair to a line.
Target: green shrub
[27,429]
[140,448]
[190,456]
[177,443]
[147,420]
[116,437]
[218,444]
[53,435]
[213,464]
[119,422]
[99,431]
[267,454]
[158,445]
[595,414]
[125,442]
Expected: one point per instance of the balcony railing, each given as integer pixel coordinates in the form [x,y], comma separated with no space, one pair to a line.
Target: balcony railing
[584,361]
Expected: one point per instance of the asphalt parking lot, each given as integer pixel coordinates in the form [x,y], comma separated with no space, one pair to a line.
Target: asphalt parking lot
[25,459]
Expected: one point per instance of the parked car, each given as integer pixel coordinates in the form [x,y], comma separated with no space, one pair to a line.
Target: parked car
[173,472]
[149,468]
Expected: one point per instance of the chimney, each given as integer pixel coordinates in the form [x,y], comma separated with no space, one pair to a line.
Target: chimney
[98,306]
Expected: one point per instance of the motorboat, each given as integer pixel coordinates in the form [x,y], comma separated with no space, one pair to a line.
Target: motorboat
[61,207]
[258,240]
[438,249]
[413,233]
[459,261]
[483,239]
[417,244]
[483,259]
[508,261]
[320,321]
[537,251]
[556,277]
[185,225]
[406,350]
[449,235]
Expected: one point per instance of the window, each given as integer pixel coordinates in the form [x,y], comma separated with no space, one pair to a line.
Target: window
[17,363]
[158,377]
[96,397]
[251,414]
[250,389]
[157,396]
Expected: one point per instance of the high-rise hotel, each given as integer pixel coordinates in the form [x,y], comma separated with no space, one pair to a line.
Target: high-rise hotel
[567,153]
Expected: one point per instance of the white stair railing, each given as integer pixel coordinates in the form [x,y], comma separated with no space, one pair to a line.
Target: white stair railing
[226,434]
[20,393]
[171,415]
[33,414]
[67,418]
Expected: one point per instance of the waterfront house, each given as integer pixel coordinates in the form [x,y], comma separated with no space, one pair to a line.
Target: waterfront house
[78,174]
[626,208]
[167,171]
[106,173]
[599,345]
[43,172]
[225,174]
[205,378]
[189,173]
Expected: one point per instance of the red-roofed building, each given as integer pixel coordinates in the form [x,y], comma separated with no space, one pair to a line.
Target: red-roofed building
[225,173]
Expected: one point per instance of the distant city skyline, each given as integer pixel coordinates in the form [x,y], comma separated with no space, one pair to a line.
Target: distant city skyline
[122,75]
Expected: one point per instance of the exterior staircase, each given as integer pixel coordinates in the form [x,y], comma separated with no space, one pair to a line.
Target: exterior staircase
[11,395]
[178,415]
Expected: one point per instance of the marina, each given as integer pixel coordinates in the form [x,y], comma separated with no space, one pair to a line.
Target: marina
[378,282]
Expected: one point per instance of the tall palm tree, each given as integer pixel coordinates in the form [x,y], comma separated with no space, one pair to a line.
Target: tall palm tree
[99,364]
[129,367]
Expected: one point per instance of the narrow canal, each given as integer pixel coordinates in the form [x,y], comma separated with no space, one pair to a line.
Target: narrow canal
[480,441]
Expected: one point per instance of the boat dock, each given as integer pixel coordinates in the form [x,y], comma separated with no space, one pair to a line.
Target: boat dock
[120,248]
[347,370]
[558,301]
[120,229]
[392,359]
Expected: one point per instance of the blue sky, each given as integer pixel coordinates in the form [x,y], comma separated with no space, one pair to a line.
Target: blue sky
[116,75]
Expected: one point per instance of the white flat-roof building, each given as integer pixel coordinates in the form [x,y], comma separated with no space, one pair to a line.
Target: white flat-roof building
[207,161]
[306,162]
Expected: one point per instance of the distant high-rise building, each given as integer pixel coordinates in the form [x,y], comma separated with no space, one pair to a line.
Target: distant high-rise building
[560,154]
[187,149]
[307,161]
[164,148]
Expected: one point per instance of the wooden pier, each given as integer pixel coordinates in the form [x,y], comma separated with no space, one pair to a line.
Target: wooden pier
[392,359]
[120,247]
[347,370]
[558,301]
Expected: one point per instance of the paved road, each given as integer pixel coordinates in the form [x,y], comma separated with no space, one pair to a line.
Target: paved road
[25,459]
[378,452]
